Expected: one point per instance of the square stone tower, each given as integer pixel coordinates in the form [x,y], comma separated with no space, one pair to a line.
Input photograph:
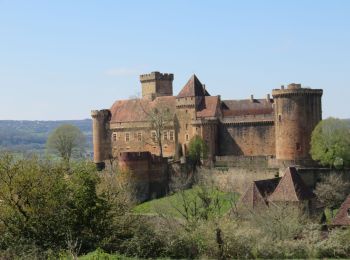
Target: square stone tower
[156,84]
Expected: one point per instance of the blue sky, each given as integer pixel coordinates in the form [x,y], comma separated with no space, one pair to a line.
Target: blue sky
[61,59]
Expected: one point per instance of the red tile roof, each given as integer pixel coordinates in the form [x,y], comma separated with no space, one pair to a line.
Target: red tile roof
[209,107]
[291,188]
[258,192]
[135,110]
[246,107]
[193,88]
[343,216]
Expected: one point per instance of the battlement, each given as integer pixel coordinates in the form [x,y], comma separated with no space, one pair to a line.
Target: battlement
[156,75]
[104,113]
[294,89]
[156,84]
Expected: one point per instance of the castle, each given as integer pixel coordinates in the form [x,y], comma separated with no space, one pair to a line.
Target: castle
[278,126]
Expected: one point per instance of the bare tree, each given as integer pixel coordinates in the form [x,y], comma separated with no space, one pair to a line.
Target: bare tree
[159,118]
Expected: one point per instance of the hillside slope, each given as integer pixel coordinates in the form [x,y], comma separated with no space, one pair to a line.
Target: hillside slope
[30,136]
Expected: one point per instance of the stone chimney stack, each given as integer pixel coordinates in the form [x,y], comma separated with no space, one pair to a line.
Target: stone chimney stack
[268,98]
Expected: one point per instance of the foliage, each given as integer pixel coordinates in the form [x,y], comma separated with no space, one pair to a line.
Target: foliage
[67,141]
[332,190]
[336,245]
[280,221]
[100,254]
[197,150]
[330,143]
[45,208]
[48,212]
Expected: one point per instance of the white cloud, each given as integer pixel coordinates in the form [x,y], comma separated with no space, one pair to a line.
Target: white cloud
[121,72]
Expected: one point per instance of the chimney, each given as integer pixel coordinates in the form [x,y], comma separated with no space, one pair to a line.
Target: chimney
[252,98]
[268,98]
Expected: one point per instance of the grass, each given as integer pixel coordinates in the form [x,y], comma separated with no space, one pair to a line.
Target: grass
[171,205]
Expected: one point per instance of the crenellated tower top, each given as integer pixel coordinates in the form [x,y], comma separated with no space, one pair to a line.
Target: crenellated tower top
[156,84]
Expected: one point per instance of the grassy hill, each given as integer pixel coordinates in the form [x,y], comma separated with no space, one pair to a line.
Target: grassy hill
[30,136]
[174,204]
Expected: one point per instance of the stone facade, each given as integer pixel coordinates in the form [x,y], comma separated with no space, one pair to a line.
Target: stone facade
[279,127]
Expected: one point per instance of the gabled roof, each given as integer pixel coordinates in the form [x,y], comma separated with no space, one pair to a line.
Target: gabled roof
[257,193]
[291,188]
[343,216]
[135,110]
[193,88]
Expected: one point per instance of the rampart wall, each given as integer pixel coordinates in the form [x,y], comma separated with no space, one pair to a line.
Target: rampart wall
[247,138]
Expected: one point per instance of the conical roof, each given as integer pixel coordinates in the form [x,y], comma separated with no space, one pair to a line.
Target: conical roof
[343,216]
[291,188]
[193,88]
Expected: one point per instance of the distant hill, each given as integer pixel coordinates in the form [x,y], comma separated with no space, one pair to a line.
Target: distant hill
[30,136]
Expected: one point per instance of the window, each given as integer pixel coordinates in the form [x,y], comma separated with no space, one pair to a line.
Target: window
[127,137]
[165,135]
[280,118]
[114,137]
[186,111]
[186,126]
[154,136]
[348,212]
[187,137]
[298,146]
[139,136]
[171,135]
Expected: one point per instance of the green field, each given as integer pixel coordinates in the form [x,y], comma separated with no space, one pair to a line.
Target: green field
[174,204]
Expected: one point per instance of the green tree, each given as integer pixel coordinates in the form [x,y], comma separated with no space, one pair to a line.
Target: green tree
[330,143]
[332,190]
[197,151]
[66,141]
[45,208]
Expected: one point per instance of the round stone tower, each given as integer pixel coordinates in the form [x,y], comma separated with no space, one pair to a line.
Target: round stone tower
[101,137]
[297,112]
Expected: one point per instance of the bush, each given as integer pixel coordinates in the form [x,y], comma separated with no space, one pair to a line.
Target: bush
[44,207]
[335,245]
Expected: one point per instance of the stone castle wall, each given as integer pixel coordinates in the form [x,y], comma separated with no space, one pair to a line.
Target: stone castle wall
[147,173]
[248,139]
[140,139]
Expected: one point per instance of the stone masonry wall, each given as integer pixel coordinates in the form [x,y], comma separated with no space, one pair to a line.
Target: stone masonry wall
[247,140]
[140,139]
